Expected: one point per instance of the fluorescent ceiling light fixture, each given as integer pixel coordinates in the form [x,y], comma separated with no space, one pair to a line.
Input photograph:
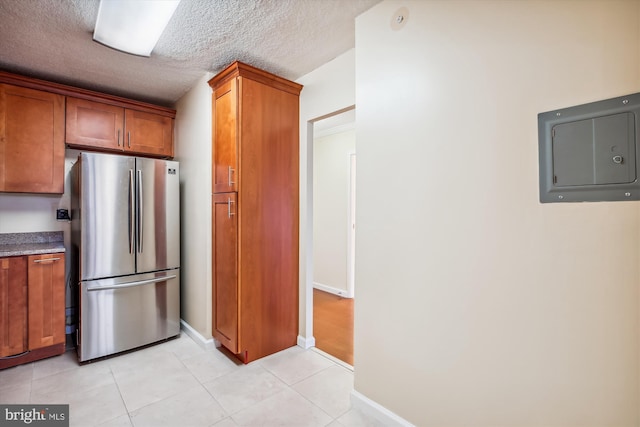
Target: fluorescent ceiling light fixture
[133,26]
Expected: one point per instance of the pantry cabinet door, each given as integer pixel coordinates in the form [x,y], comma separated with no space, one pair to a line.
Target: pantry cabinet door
[225,141]
[225,270]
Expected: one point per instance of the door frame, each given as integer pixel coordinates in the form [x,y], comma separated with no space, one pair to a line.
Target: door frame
[351,228]
[308,339]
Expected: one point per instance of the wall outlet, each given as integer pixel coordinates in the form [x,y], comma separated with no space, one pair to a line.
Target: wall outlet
[62,214]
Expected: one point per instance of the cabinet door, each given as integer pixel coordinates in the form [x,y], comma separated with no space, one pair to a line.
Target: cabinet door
[94,125]
[225,270]
[13,306]
[31,141]
[46,300]
[225,144]
[148,133]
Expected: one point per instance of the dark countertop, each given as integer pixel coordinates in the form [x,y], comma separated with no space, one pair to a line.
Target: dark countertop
[17,244]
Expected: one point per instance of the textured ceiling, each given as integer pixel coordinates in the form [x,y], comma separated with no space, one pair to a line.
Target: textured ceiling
[52,40]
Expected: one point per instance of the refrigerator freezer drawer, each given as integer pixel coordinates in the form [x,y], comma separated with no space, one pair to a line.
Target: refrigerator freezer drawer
[127,312]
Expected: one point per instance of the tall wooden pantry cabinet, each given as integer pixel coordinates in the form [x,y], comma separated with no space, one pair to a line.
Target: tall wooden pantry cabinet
[255,211]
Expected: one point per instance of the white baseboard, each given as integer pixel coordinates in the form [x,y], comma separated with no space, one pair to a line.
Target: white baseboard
[332,290]
[207,344]
[369,407]
[306,342]
[332,358]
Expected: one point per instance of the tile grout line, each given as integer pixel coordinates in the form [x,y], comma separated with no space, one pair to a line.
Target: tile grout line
[314,404]
[31,382]
[334,359]
[115,381]
[228,415]
[156,401]
[258,366]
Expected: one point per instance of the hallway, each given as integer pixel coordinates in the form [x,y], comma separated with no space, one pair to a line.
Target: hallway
[333,325]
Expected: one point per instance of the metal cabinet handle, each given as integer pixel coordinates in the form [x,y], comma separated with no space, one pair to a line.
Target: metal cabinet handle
[47,260]
[129,138]
[118,137]
[229,202]
[231,171]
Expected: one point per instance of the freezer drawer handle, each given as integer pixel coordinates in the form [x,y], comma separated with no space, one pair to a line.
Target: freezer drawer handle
[46,260]
[132,284]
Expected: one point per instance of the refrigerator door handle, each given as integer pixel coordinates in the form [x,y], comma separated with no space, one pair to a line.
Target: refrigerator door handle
[140,213]
[132,202]
[132,284]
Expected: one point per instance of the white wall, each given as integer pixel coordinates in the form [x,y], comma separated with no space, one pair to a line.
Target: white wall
[26,213]
[327,89]
[477,305]
[193,151]
[331,179]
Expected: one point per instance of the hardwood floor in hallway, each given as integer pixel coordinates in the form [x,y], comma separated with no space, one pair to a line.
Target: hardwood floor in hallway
[333,325]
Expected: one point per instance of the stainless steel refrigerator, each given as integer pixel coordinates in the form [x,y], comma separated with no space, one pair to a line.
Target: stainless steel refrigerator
[126,237]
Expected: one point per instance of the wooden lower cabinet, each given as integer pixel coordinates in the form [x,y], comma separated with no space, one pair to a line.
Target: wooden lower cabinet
[32,308]
[225,270]
[46,300]
[255,286]
[13,305]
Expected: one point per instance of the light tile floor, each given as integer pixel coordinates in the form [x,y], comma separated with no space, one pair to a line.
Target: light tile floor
[177,383]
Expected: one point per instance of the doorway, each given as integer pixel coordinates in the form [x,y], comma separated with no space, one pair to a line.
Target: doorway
[334,169]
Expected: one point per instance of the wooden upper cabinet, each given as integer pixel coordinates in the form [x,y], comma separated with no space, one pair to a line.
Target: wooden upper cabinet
[46,290]
[31,140]
[148,133]
[13,306]
[96,125]
[225,143]
[33,130]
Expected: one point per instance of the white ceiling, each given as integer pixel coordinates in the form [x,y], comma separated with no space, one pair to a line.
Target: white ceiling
[52,40]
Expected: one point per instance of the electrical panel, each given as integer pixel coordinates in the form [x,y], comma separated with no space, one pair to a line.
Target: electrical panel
[590,152]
